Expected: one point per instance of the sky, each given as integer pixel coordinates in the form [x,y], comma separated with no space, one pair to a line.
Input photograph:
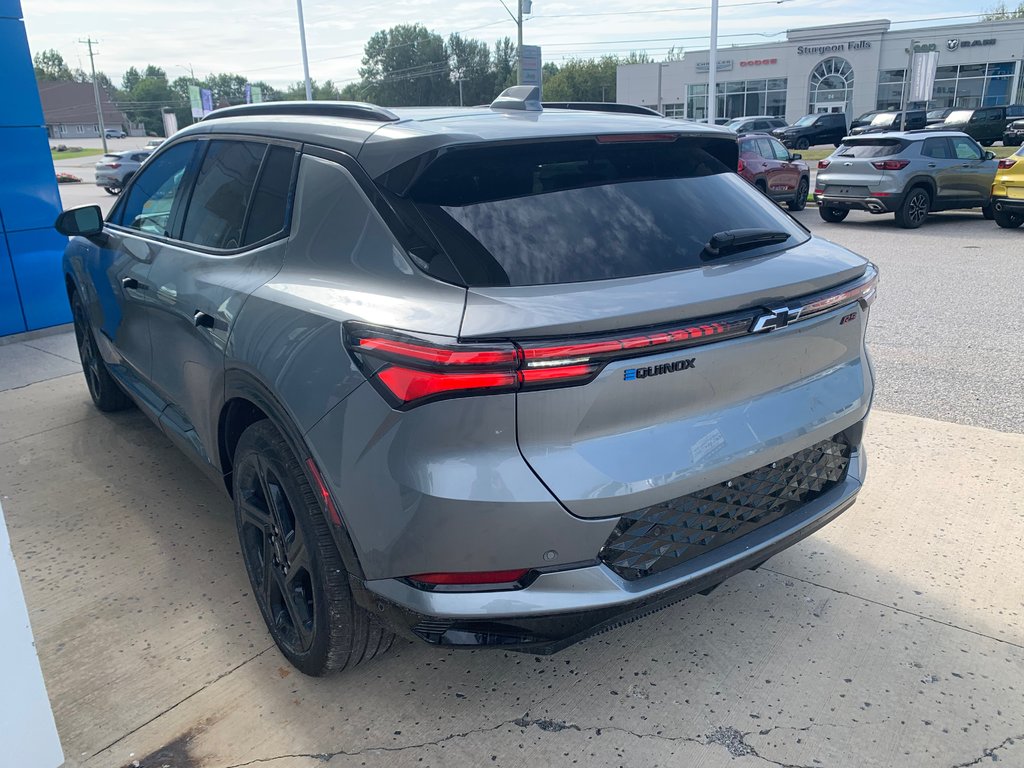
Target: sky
[260,38]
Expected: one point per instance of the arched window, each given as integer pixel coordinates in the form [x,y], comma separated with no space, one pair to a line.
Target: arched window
[831,86]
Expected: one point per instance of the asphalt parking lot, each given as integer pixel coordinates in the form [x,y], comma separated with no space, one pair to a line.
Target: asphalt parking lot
[895,636]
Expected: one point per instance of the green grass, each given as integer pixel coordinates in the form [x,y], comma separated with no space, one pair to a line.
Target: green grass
[75,153]
[814,155]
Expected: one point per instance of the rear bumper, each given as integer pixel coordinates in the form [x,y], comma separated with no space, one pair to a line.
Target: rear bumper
[886,204]
[559,608]
[1013,205]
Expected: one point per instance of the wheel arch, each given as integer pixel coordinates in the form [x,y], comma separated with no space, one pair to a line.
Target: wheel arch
[248,400]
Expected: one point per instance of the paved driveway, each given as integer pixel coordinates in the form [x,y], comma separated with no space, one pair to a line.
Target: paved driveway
[893,637]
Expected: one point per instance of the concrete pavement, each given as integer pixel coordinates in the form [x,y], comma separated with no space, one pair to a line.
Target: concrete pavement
[892,637]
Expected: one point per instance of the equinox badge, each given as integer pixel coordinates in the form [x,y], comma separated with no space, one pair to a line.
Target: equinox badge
[632,374]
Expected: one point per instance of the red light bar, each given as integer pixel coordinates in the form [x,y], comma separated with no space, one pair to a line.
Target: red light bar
[864,290]
[325,495]
[409,384]
[471,577]
[622,138]
[438,355]
[538,375]
[824,164]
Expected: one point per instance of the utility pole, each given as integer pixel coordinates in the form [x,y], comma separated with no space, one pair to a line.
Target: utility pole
[712,66]
[519,43]
[96,92]
[305,58]
[460,90]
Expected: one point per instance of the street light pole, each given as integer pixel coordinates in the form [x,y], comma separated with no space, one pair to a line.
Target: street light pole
[305,58]
[712,66]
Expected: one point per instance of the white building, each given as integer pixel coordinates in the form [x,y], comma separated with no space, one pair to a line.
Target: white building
[852,68]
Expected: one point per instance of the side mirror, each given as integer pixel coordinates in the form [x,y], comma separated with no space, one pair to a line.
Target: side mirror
[990,155]
[795,156]
[86,221]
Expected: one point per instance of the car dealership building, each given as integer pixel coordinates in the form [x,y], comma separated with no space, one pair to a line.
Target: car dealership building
[852,68]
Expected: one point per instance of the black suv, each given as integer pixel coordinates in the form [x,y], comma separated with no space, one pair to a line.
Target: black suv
[880,122]
[823,128]
[985,125]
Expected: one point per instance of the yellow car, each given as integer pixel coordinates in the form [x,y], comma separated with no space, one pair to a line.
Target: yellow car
[1008,191]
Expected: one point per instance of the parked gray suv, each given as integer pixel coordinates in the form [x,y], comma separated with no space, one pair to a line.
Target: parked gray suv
[499,376]
[909,174]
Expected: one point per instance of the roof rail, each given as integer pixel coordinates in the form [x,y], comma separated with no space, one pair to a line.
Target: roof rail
[354,109]
[521,98]
[602,106]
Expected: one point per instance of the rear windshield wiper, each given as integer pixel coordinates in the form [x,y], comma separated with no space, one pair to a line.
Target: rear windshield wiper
[732,240]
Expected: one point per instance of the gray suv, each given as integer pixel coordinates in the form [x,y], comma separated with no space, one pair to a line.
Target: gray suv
[909,174]
[500,376]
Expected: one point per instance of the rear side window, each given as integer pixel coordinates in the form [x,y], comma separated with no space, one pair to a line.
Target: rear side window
[872,148]
[216,212]
[270,203]
[579,210]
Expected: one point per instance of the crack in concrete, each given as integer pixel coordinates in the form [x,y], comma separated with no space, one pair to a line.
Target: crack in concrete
[728,737]
[990,752]
[895,608]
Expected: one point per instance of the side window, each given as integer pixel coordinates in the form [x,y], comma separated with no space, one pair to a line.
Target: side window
[759,125]
[224,187]
[781,153]
[270,203]
[935,148]
[764,149]
[153,192]
[965,149]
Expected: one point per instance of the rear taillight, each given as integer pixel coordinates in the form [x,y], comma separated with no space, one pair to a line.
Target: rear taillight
[410,371]
[891,165]
[111,165]
[740,166]
[822,164]
[1007,162]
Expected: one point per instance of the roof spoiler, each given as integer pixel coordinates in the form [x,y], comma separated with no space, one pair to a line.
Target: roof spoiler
[521,98]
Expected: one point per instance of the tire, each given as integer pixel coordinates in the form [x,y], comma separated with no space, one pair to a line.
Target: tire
[914,209]
[833,215]
[1008,220]
[988,212]
[799,202]
[113,190]
[987,142]
[106,393]
[296,572]
[802,144]
[761,187]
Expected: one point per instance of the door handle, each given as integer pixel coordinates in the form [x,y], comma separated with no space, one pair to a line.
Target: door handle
[203,320]
[931,165]
[130,283]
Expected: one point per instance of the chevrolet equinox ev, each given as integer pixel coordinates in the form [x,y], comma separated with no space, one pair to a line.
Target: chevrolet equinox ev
[502,376]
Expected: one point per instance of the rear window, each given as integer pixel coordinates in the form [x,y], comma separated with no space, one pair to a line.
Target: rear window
[872,148]
[573,211]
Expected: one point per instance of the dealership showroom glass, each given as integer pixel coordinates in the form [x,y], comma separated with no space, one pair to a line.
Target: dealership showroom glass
[852,68]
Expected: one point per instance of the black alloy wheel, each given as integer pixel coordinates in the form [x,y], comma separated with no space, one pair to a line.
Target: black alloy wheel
[296,572]
[802,143]
[799,202]
[113,190]
[833,215]
[105,392]
[914,210]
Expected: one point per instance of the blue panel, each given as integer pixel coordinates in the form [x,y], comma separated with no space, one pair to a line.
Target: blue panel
[11,320]
[10,9]
[21,96]
[28,194]
[36,256]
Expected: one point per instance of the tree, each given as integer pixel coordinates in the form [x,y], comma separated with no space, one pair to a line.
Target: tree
[407,65]
[49,65]
[1001,13]
[145,96]
[130,79]
[583,80]
[674,54]
[504,63]
[326,90]
[470,63]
